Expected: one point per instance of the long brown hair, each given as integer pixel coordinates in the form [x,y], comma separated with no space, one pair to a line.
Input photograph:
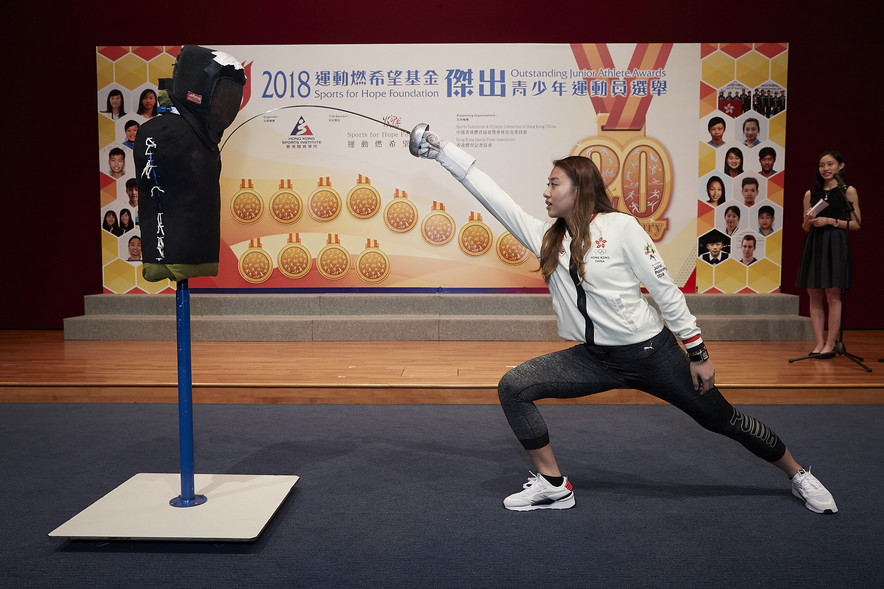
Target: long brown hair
[592,198]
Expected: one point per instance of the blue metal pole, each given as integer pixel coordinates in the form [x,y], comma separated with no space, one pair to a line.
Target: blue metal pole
[185,400]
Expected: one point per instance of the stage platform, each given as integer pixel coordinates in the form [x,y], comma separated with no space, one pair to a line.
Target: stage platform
[44,367]
[299,317]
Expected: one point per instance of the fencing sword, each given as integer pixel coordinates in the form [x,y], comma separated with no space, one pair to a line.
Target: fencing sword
[415,135]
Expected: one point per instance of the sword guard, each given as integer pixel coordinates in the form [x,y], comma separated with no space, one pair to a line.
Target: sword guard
[417,136]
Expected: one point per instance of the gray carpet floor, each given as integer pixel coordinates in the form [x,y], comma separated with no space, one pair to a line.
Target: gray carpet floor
[410,496]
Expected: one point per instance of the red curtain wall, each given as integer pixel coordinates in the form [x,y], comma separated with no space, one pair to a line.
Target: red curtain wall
[51,250]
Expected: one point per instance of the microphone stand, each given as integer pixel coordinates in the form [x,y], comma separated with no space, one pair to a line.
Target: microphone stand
[840,349]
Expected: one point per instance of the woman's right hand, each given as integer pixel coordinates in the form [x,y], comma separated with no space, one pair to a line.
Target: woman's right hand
[425,143]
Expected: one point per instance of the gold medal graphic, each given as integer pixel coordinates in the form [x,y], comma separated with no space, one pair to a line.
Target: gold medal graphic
[363,200]
[475,237]
[294,260]
[510,250]
[333,261]
[372,265]
[400,214]
[255,265]
[325,202]
[285,205]
[636,168]
[637,171]
[438,227]
[246,206]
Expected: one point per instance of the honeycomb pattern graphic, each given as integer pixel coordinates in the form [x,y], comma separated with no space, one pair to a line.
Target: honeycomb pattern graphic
[124,71]
[743,84]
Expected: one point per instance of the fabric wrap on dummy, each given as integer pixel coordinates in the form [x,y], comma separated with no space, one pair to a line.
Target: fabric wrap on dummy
[178,166]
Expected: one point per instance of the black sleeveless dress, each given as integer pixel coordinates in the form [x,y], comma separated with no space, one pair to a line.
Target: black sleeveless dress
[826,260]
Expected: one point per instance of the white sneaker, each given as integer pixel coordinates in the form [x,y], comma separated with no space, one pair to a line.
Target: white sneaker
[816,498]
[538,493]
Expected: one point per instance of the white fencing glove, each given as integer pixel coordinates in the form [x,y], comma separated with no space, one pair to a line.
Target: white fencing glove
[423,143]
[428,145]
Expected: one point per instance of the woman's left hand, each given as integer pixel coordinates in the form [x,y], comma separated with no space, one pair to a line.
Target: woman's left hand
[703,375]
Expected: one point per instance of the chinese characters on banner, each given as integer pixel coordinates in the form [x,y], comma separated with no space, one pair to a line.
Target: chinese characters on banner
[317,192]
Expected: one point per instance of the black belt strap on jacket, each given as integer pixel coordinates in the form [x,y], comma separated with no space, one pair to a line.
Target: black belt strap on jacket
[581,303]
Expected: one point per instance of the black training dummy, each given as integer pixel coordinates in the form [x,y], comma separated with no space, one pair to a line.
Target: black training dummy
[178,165]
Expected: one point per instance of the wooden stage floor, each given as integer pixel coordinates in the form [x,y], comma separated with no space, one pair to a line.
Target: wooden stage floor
[41,367]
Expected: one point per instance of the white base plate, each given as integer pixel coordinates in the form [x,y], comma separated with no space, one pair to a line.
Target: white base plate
[238,508]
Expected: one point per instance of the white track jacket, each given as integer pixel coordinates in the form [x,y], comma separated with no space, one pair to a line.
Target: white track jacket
[621,259]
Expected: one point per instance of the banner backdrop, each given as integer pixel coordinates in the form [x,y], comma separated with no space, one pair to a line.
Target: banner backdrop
[320,192]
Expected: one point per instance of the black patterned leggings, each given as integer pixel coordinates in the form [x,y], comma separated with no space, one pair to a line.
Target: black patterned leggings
[658,367]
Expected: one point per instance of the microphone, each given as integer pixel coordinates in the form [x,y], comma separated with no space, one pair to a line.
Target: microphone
[843,186]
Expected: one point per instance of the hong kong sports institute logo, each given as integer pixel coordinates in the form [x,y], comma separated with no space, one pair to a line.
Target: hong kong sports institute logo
[301,129]
[301,137]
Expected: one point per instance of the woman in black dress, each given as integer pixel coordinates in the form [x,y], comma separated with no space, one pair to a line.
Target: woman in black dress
[826,260]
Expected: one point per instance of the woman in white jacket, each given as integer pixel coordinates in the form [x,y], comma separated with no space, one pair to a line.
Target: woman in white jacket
[595,260]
